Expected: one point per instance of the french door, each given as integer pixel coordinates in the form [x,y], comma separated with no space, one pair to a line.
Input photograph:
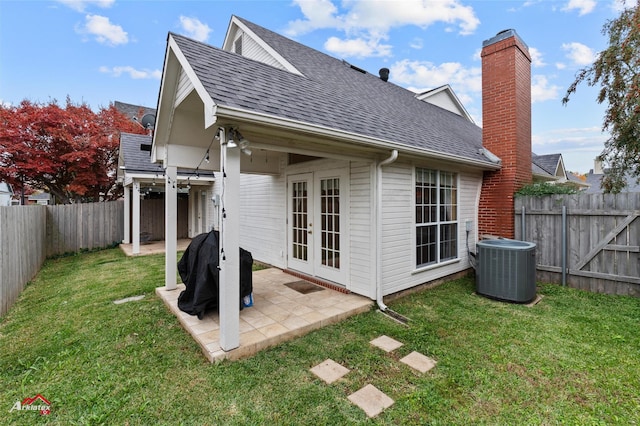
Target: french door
[317,217]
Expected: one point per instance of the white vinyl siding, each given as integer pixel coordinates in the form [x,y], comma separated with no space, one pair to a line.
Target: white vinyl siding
[185,86]
[399,270]
[263,217]
[263,201]
[253,50]
[362,230]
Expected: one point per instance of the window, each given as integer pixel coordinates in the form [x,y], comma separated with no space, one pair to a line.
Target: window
[238,45]
[436,216]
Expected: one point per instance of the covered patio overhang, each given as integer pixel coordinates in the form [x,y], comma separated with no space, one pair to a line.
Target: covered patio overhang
[137,185]
[227,148]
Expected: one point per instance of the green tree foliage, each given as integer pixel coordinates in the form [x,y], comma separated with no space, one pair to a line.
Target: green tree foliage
[70,152]
[617,71]
[546,188]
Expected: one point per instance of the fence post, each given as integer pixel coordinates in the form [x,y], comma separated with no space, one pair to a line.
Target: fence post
[564,246]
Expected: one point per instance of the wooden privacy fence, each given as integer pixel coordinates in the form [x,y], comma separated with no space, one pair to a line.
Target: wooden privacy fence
[22,250]
[600,234]
[75,227]
[29,234]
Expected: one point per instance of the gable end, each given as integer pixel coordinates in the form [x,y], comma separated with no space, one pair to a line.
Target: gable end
[241,40]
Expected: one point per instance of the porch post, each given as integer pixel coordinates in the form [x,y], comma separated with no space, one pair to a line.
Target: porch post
[229,306]
[170,227]
[136,217]
[127,215]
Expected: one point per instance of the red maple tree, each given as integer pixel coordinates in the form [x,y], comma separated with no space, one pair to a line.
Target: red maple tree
[70,152]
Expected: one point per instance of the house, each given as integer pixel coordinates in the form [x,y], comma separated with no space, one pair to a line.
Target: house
[594,179]
[42,198]
[137,113]
[144,189]
[6,194]
[336,174]
[548,168]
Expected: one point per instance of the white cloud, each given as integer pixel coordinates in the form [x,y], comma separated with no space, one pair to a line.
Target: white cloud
[578,146]
[561,65]
[81,5]
[370,22]
[318,13]
[420,76]
[103,30]
[582,6]
[357,48]
[541,90]
[620,5]
[574,138]
[194,28]
[132,72]
[579,53]
[417,43]
[536,57]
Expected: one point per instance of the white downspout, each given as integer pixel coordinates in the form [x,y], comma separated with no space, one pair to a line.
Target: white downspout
[391,159]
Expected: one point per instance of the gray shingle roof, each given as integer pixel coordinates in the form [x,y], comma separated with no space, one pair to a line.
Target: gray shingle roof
[131,110]
[136,160]
[537,170]
[594,181]
[547,162]
[331,94]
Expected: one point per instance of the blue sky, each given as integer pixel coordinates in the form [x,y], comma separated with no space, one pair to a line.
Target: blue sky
[102,51]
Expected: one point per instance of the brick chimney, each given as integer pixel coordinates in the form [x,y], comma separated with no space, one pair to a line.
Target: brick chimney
[506,129]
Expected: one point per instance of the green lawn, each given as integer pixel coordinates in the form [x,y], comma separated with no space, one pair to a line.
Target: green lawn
[572,359]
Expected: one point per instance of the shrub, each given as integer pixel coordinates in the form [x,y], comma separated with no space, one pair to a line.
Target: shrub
[545,188]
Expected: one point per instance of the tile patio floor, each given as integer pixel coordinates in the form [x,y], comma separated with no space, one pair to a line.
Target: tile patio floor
[153,247]
[278,314]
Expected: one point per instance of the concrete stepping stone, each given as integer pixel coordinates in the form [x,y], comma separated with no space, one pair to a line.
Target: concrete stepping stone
[386,343]
[419,362]
[371,400]
[329,371]
[128,299]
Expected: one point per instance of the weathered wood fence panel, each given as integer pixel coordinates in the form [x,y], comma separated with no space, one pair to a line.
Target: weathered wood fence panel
[75,227]
[602,239]
[22,250]
[29,234]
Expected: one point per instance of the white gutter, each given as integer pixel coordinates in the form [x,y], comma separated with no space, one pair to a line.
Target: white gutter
[391,159]
[244,115]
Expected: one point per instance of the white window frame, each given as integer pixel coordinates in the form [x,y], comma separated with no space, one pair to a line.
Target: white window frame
[438,261]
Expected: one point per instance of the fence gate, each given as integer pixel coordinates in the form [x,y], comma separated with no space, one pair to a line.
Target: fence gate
[602,239]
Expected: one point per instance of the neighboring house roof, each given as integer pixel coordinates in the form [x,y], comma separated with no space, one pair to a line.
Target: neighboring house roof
[594,181]
[576,179]
[539,172]
[40,197]
[131,110]
[551,163]
[134,158]
[548,167]
[43,198]
[326,93]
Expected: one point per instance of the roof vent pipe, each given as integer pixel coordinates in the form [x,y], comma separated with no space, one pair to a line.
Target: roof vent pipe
[384,74]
